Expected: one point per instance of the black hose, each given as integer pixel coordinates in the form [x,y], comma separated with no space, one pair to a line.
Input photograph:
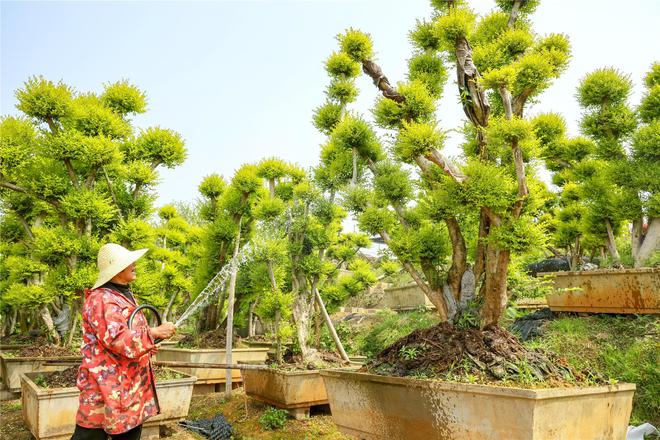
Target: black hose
[148,307]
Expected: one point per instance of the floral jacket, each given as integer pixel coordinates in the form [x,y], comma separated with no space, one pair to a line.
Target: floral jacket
[116,381]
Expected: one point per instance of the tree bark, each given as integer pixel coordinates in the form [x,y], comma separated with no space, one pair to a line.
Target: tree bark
[495,296]
[651,242]
[250,321]
[611,243]
[380,80]
[170,303]
[458,257]
[48,320]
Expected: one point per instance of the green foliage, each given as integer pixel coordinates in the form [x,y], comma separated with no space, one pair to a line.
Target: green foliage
[327,116]
[356,198]
[487,185]
[417,139]
[159,146]
[341,65]
[519,235]
[428,69]
[273,418]
[608,126]
[455,24]
[649,109]
[124,98]
[423,36]
[342,91]
[652,78]
[375,220]
[356,45]
[605,86]
[354,132]
[392,183]
[92,118]
[43,99]
[526,7]
[212,186]
[646,142]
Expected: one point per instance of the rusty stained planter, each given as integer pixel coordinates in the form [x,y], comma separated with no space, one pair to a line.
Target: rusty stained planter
[50,414]
[295,391]
[368,406]
[12,367]
[606,291]
[208,378]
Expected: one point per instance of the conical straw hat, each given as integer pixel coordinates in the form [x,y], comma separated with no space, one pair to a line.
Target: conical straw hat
[112,259]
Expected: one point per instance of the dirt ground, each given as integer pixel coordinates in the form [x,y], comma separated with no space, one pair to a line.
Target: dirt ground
[246,427]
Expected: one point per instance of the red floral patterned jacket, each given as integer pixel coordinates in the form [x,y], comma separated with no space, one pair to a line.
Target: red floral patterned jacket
[116,381]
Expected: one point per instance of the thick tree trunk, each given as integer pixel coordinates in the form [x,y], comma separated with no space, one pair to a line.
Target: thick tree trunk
[317,328]
[48,320]
[480,258]
[458,257]
[651,242]
[302,316]
[495,296]
[611,243]
[250,319]
[278,317]
[636,237]
[74,327]
[576,252]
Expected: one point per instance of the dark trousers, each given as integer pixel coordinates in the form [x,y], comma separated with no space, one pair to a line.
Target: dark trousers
[98,434]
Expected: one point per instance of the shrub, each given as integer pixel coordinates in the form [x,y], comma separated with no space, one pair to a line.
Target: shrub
[273,418]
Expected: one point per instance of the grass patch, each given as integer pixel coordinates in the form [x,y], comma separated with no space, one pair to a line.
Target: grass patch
[621,348]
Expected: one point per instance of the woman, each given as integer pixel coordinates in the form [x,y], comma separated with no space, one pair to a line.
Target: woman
[116,381]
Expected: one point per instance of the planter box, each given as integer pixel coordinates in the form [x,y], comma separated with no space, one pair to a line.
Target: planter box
[296,391]
[408,297]
[207,378]
[378,407]
[51,413]
[606,291]
[12,367]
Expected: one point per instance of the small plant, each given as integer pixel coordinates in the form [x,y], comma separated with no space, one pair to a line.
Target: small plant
[409,353]
[273,418]
[40,381]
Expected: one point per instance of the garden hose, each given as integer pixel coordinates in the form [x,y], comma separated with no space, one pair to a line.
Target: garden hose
[148,307]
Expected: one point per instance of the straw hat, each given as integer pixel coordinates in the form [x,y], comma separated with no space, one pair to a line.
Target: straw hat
[112,259]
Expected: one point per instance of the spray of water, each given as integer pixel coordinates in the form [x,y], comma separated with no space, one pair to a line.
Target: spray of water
[216,283]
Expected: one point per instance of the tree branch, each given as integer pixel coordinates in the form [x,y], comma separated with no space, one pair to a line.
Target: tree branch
[445,165]
[380,80]
[515,10]
[112,192]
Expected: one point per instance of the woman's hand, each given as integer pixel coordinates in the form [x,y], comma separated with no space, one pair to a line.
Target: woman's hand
[164,331]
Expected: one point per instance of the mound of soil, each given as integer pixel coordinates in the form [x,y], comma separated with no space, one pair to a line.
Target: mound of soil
[325,359]
[59,379]
[473,355]
[211,339]
[47,350]
[21,339]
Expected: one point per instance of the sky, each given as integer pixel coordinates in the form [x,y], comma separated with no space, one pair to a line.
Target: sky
[239,80]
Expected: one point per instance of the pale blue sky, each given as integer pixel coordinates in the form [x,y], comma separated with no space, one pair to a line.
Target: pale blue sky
[239,80]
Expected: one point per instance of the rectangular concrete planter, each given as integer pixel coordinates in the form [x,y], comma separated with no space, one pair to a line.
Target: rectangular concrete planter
[296,391]
[208,377]
[377,407]
[50,414]
[606,291]
[409,297]
[12,367]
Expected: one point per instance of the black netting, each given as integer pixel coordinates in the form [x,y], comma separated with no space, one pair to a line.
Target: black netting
[216,428]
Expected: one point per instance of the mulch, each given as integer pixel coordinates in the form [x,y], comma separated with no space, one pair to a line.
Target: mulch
[62,379]
[488,355]
[210,339]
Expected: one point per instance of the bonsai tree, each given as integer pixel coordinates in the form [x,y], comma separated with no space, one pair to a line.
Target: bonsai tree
[73,174]
[500,65]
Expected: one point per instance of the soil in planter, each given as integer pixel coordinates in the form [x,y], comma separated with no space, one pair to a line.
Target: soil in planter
[59,379]
[491,355]
[164,373]
[46,350]
[327,359]
[211,339]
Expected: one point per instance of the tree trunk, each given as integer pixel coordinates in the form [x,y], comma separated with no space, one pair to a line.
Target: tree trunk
[575,254]
[48,320]
[650,243]
[317,328]
[301,314]
[611,243]
[250,319]
[331,327]
[74,327]
[355,167]
[458,257]
[495,296]
[230,309]
[170,303]
[278,315]
[480,258]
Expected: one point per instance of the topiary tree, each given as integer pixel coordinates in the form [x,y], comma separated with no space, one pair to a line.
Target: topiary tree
[500,65]
[73,174]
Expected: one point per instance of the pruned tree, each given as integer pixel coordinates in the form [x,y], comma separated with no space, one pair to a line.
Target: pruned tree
[500,64]
[74,173]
